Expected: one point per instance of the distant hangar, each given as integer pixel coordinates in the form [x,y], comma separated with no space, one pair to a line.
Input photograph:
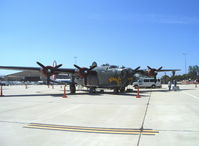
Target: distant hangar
[28,76]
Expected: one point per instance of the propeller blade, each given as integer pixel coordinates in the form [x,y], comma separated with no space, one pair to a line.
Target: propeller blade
[77,66]
[58,66]
[92,67]
[137,68]
[149,67]
[41,64]
[159,68]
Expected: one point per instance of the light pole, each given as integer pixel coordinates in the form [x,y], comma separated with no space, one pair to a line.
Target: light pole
[185,62]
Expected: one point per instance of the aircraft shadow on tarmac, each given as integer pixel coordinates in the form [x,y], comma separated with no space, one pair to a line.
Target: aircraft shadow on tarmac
[134,93]
[70,94]
[61,95]
[85,92]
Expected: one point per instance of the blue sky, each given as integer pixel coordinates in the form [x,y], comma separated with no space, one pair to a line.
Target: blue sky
[122,32]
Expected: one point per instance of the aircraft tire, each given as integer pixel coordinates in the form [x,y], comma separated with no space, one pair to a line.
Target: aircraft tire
[122,90]
[136,86]
[116,90]
[92,90]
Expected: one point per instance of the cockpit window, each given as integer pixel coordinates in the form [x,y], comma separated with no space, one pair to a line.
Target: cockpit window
[113,66]
[105,64]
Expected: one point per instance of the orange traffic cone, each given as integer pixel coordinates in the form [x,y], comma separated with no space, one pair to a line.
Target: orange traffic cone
[138,93]
[65,96]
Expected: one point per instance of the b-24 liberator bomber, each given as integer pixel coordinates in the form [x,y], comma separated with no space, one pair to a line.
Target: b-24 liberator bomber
[104,76]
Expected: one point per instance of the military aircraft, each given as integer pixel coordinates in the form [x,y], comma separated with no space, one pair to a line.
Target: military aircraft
[104,76]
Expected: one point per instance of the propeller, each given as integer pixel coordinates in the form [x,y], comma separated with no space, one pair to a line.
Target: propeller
[136,69]
[49,70]
[153,72]
[84,71]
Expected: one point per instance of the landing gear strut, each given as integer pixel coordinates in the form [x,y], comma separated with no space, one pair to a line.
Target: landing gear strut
[72,88]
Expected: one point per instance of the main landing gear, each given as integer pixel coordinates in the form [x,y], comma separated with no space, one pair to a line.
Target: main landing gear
[72,88]
[92,90]
[121,90]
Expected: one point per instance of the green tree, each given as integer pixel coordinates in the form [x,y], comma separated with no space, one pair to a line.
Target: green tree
[165,79]
[193,71]
[192,74]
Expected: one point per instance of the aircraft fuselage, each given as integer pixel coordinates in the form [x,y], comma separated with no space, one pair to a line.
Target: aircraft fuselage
[104,77]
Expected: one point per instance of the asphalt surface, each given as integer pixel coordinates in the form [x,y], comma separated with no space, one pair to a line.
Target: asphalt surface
[41,116]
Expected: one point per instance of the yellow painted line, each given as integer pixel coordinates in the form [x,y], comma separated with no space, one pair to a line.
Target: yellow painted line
[93,129]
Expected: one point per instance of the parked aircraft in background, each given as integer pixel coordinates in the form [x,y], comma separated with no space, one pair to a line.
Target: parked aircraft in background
[104,76]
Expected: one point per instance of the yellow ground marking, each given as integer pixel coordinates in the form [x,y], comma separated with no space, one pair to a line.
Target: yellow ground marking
[93,129]
[80,127]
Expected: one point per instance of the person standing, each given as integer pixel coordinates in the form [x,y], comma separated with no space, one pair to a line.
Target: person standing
[169,85]
[175,83]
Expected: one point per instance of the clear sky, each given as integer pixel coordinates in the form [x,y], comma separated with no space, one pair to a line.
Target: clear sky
[121,32]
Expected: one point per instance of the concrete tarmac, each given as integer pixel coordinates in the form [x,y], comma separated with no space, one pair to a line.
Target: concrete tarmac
[40,116]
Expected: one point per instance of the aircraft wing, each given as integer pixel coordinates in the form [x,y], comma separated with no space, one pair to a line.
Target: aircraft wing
[65,70]
[20,68]
[59,70]
[164,70]
[152,72]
